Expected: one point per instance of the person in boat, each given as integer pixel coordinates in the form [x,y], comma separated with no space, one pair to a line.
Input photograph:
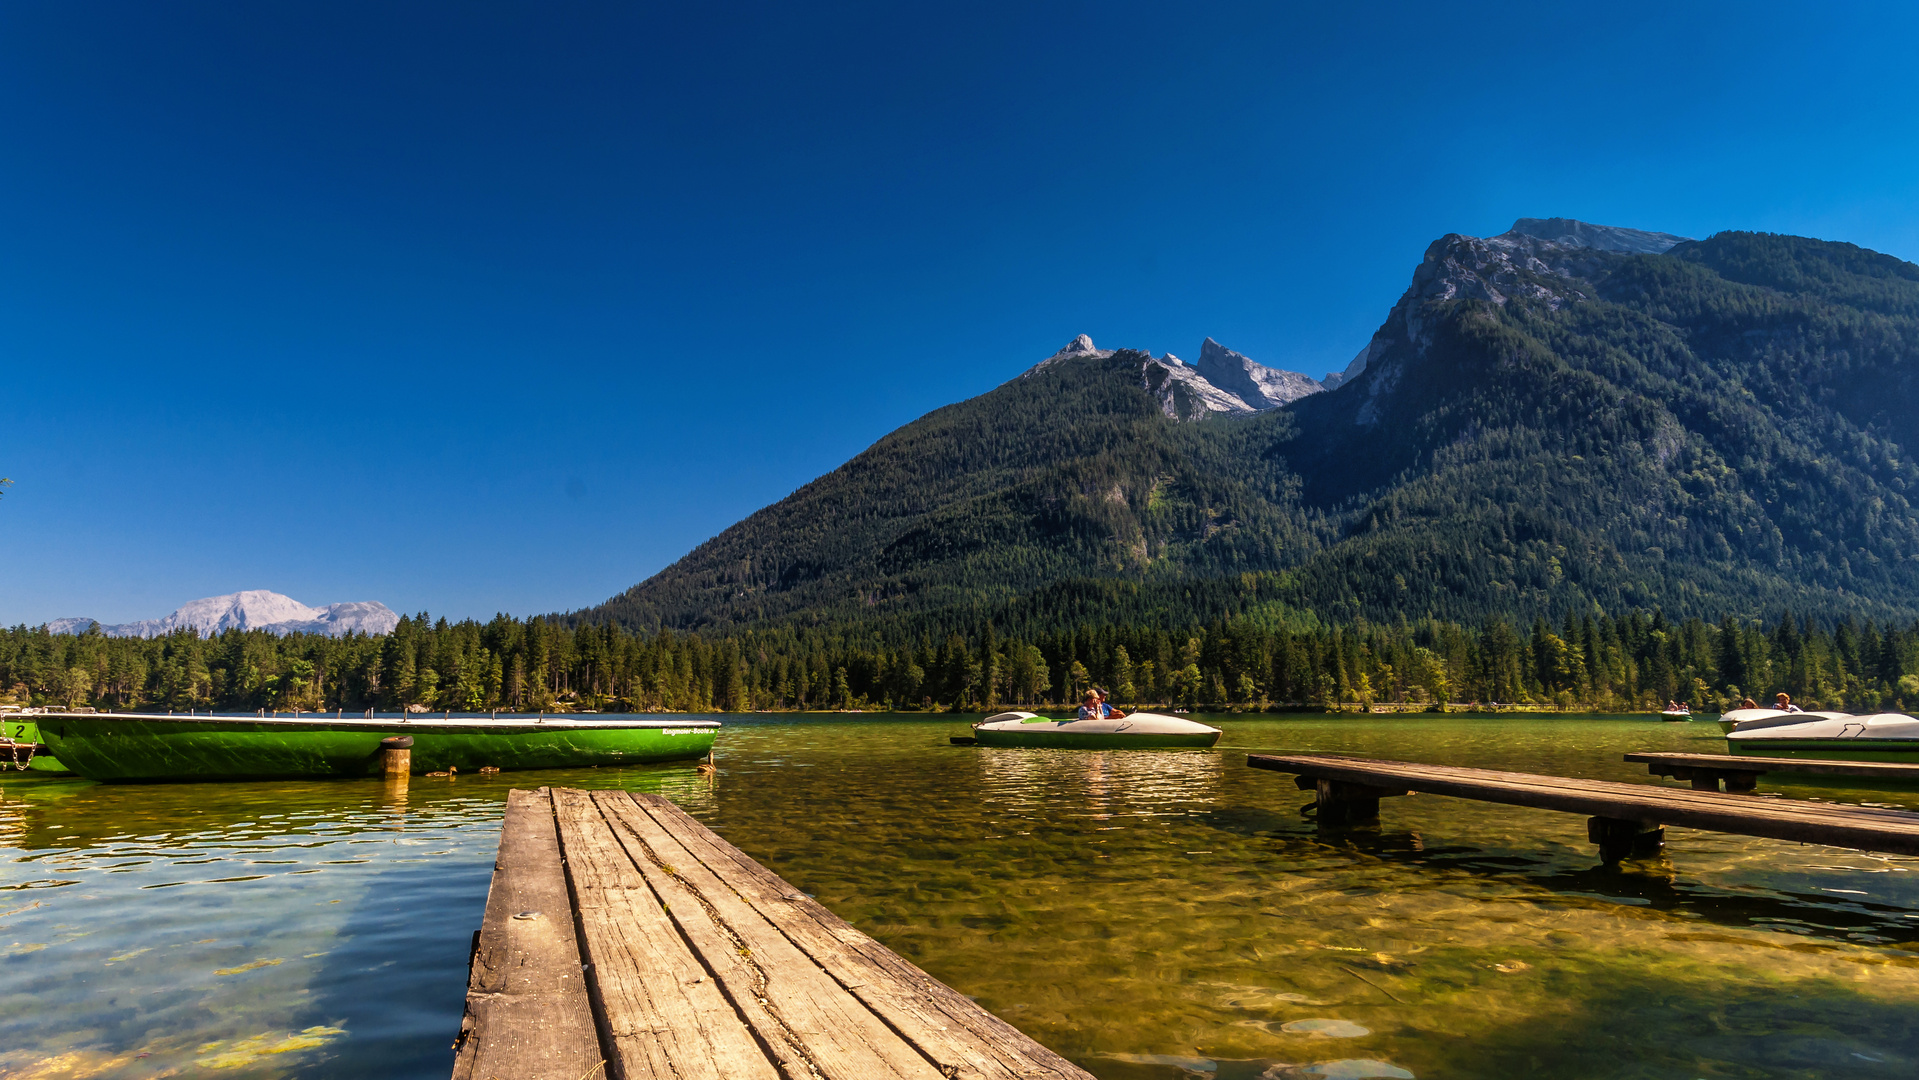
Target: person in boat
[1749,704]
[1093,707]
[1107,708]
[1783,702]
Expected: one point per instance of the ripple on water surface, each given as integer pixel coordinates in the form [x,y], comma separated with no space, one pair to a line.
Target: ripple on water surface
[1149,914]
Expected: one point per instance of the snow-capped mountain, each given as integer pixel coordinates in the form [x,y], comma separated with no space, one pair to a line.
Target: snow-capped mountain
[253,609]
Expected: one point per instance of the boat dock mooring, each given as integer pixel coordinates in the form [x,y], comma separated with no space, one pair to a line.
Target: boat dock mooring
[1625,820]
[1742,774]
[623,939]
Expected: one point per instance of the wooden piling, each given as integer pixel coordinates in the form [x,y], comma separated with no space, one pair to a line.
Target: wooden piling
[396,755]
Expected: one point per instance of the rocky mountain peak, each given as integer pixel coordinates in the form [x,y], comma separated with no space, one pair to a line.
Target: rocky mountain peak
[1259,386]
[1572,233]
[1544,260]
[1079,346]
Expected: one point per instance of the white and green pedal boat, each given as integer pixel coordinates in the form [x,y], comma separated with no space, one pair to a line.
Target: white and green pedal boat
[1134,732]
[1833,735]
[128,747]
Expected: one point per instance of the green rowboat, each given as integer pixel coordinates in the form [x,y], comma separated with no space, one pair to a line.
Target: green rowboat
[129,747]
[1140,731]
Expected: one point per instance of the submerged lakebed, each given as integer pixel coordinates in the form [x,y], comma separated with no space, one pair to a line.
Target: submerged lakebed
[1149,914]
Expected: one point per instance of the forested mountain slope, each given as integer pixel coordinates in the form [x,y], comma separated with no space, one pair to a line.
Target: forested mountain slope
[1726,428]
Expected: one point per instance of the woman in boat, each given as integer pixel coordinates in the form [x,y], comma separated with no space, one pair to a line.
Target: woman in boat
[1093,707]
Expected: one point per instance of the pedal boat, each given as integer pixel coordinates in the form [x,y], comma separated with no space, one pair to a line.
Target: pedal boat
[1728,721]
[1137,731]
[1836,735]
[124,747]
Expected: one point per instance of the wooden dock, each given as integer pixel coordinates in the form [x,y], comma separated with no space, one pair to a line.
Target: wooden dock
[1625,820]
[624,939]
[1742,774]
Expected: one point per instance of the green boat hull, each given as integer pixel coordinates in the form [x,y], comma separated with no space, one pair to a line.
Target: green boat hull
[1899,750]
[27,733]
[1067,740]
[124,748]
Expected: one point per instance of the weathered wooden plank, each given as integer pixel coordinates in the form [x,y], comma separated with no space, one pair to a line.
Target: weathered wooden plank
[1875,770]
[662,1013]
[527,1009]
[1867,828]
[843,1039]
[959,1036]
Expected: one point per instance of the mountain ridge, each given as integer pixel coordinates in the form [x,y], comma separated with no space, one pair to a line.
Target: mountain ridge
[249,609]
[1539,425]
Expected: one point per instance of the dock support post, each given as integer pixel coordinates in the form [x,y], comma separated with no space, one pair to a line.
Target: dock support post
[1618,839]
[396,755]
[1339,802]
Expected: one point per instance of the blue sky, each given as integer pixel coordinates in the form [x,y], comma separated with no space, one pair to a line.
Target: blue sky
[504,307]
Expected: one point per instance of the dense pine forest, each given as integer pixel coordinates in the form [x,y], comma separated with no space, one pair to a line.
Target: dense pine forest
[1248,661]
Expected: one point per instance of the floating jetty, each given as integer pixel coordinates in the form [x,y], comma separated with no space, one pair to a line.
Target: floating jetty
[1625,820]
[624,939]
[1741,774]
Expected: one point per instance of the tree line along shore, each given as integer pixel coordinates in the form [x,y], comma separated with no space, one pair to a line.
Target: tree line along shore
[1630,662]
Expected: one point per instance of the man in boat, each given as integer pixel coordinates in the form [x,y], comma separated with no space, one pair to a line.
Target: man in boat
[1783,702]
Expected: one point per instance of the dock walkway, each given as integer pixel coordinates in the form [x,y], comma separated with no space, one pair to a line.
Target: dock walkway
[1625,819]
[624,939]
[1741,773]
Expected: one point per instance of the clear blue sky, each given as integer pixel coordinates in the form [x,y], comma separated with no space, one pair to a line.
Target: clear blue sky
[504,307]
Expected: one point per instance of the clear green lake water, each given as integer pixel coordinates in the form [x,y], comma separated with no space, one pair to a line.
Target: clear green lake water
[1148,914]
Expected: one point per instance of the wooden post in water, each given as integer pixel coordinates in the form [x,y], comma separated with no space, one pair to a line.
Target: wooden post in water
[396,755]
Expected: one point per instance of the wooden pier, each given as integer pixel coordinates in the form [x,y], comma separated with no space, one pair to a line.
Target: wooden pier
[1625,820]
[1742,774]
[624,939]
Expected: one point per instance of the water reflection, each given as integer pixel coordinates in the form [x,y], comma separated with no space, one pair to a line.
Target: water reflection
[1097,783]
[246,929]
[1150,914]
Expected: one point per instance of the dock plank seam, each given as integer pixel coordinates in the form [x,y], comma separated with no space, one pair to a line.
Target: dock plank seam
[923,1011]
[669,1024]
[727,958]
[527,1010]
[843,1038]
[680,958]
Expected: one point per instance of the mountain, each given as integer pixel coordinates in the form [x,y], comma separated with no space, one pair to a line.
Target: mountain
[1257,385]
[1223,384]
[253,609]
[1570,233]
[1543,424]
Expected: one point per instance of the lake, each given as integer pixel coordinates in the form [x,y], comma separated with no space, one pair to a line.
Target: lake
[1147,914]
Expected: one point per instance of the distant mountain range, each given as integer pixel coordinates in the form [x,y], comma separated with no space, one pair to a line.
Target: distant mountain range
[1560,418]
[253,609]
